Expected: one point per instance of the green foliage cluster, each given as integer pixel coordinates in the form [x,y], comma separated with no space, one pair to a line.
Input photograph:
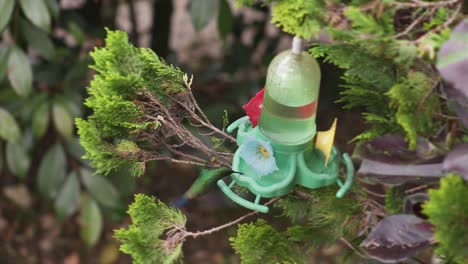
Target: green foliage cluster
[318,221]
[303,18]
[447,210]
[383,76]
[415,104]
[143,238]
[261,243]
[394,199]
[123,73]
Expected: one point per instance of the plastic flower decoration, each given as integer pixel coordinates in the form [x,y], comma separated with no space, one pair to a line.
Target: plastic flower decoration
[253,108]
[258,154]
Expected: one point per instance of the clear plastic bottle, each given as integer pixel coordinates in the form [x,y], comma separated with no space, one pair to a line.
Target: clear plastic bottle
[290,100]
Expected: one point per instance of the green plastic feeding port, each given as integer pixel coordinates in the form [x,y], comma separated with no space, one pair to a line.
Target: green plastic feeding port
[278,154]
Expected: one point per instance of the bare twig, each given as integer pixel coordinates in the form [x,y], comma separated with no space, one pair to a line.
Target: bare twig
[221,227]
[303,195]
[417,188]
[373,193]
[173,129]
[416,22]
[348,244]
[178,234]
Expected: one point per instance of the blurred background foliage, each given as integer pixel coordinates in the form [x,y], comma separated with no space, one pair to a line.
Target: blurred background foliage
[53,207]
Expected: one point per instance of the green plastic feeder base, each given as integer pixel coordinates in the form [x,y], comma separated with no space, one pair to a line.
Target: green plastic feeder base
[298,165]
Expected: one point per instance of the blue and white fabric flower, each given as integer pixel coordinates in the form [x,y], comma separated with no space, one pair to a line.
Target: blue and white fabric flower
[258,154]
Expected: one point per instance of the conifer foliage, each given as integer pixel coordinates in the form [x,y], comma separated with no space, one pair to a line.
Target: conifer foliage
[143,110]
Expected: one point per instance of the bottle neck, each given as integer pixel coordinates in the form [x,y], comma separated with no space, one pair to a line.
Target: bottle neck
[297,45]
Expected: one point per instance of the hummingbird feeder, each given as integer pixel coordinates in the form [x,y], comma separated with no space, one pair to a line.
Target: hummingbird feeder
[280,152]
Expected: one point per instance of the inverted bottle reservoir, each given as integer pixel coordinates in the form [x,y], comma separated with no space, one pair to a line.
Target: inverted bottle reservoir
[290,100]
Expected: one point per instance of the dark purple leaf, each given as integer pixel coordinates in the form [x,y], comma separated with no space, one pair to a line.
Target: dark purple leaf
[457,102]
[396,174]
[413,204]
[393,149]
[457,161]
[452,59]
[398,237]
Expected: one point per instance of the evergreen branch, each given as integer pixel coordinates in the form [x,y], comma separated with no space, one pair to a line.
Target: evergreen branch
[447,23]
[144,105]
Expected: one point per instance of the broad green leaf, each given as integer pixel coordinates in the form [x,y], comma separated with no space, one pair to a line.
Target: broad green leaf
[36,11]
[19,72]
[68,197]
[6,9]
[38,39]
[32,102]
[77,32]
[100,188]
[75,149]
[40,119]
[225,19]
[73,102]
[63,121]
[51,171]
[28,140]
[9,129]
[17,159]
[90,222]
[201,12]
[53,7]
[4,55]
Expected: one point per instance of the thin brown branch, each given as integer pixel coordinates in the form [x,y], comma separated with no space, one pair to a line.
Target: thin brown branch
[416,22]
[221,227]
[205,121]
[416,189]
[158,112]
[303,195]
[348,244]
[202,122]
[374,193]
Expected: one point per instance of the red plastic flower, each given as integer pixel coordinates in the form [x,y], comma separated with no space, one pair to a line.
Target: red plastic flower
[254,107]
